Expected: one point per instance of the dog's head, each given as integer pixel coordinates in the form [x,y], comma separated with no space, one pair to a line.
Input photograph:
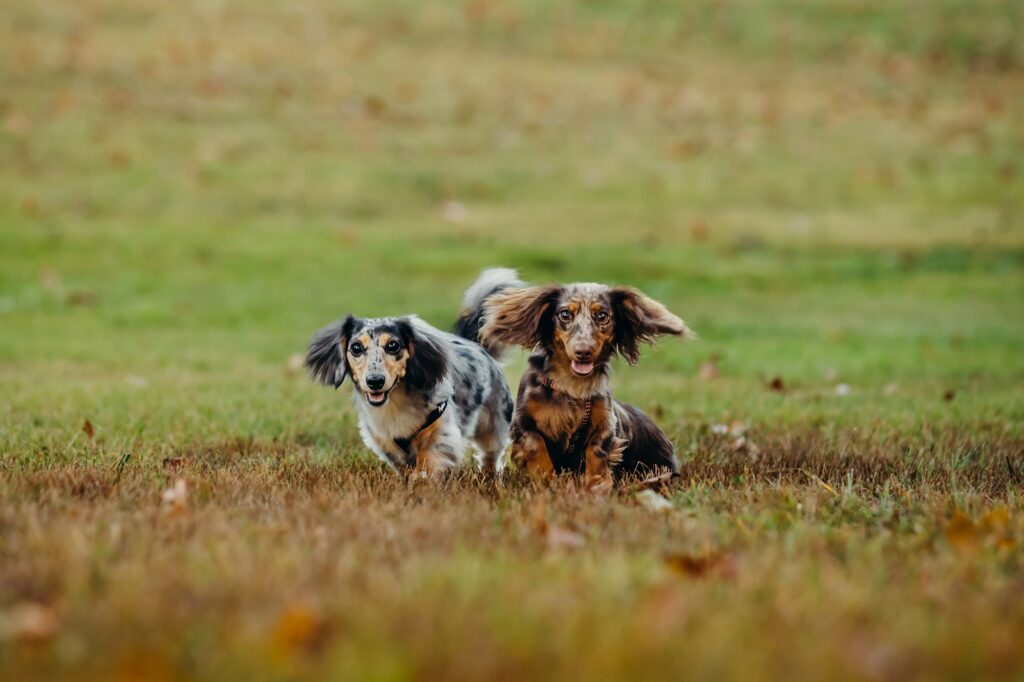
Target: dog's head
[582,325]
[379,354]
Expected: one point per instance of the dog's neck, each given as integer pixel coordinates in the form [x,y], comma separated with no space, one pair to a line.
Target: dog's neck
[404,412]
[557,369]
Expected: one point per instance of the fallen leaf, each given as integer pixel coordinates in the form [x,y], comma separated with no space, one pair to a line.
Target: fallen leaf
[81,298]
[699,231]
[996,520]
[374,106]
[28,622]
[702,566]
[708,371]
[562,537]
[1005,544]
[454,212]
[136,380]
[743,444]
[777,385]
[738,428]
[88,429]
[961,532]
[654,502]
[295,362]
[300,629]
[175,498]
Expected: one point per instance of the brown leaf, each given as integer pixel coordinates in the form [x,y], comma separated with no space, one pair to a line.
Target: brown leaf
[82,298]
[702,566]
[89,429]
[949,395]
[562,537]
[996,520]
[777,385]
[175,498]
[555,535]
[28,622]
[699,231]
[294,364]
[300,629]
[374,106]
[961,532]
[743,444]
[708,371]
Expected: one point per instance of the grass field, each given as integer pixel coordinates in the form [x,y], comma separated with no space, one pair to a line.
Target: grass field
[831,193]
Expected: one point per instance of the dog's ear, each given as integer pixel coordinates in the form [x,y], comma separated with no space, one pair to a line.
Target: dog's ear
[325,356]
[427,363]
[520,317]
[640,319]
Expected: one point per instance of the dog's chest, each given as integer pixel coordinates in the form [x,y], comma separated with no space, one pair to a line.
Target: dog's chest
[557,418]
[397,419]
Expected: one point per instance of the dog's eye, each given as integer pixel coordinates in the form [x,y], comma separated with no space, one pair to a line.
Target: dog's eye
[564,315]
[392,347]
[601,317]
[356,349]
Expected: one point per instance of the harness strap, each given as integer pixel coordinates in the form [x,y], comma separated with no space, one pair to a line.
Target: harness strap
[588,407]
[435,414]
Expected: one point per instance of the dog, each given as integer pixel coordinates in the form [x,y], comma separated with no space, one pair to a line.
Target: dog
[565,417]
[422,394]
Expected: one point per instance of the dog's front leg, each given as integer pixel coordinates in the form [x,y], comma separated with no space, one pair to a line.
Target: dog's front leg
[599,462]
[530,452]
[437,450]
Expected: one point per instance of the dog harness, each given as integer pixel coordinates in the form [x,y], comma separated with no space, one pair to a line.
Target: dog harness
[588,406]
[435,414]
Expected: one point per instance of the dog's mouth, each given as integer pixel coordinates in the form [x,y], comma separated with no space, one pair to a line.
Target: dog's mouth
[377,398]
[582,368]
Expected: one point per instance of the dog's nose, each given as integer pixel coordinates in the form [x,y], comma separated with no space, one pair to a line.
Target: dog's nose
[375,382]
[584,353]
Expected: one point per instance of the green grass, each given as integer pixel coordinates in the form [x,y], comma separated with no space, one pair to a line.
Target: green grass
[828,192]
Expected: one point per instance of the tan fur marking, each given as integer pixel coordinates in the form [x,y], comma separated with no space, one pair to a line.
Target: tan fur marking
[428,459]
[531,453]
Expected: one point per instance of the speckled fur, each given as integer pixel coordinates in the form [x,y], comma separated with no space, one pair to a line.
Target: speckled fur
[430,367]
[555,322]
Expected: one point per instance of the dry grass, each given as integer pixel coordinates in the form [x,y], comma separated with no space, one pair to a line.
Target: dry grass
[901,561]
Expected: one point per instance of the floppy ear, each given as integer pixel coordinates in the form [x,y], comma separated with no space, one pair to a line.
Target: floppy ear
[520,317]
[640,319]
[325,357]
[427,363]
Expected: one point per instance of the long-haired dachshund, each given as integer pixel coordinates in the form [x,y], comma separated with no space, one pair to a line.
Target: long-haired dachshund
[565,417]
[422,394]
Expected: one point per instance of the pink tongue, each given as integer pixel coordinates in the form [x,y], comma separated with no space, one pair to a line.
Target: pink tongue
[582,367]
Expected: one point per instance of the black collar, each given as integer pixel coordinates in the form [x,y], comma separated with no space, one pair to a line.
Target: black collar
[434,415]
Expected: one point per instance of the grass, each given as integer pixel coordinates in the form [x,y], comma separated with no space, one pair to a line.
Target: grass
[828,192]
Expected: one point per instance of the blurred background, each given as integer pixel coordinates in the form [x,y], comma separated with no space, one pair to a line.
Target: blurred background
[830,192]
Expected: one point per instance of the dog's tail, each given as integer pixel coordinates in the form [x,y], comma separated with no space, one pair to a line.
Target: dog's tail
[474,305]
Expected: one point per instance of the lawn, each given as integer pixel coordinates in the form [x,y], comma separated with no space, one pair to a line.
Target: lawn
[831,193]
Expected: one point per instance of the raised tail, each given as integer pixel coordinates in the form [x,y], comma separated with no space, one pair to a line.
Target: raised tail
[474,305]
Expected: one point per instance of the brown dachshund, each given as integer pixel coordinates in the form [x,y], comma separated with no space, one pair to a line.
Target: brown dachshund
[565,417]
